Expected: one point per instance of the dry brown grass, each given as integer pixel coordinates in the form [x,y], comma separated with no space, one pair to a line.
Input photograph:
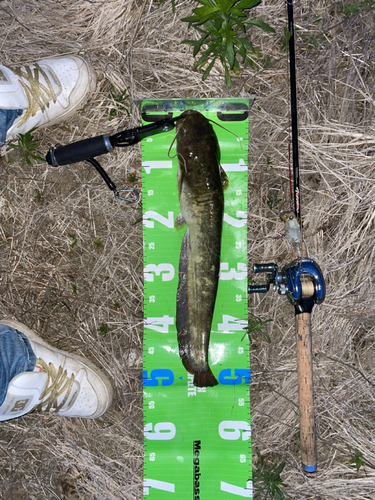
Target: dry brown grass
[135,44]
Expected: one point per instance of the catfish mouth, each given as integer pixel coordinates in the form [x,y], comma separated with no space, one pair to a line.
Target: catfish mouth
[190,112]
[182,117]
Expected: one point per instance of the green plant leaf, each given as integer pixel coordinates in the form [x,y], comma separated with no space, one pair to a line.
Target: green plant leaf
[225,4]
[26,148]
[236,67]
[229,52]
[266,477]
[260,24]
[208,69]
[247,4]
[207,3]
[190,20]
[357,460]
[202,12]
[228,80]
[36,157]
[199,44]
[242,52]
[249,46]
[221,24]
[287,35]
[240,26]
[103,329]
[237,13]
[205,55]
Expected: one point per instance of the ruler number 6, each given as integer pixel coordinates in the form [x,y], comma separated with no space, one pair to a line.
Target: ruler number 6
[230,430]
[163,431]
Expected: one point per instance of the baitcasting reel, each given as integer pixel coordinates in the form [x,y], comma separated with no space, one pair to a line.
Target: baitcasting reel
[301,281]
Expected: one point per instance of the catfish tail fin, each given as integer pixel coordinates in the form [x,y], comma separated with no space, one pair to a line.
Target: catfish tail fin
[205,379]
[202,378]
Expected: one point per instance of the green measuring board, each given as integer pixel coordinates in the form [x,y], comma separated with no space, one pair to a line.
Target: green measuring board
[197,440]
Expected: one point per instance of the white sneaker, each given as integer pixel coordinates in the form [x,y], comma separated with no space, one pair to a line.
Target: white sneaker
[61,383]
[48,91]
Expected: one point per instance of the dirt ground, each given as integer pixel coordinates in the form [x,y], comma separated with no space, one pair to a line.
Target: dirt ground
[71,255]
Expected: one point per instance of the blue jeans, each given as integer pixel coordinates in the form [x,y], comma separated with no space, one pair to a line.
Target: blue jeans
[7,117]
[16,356]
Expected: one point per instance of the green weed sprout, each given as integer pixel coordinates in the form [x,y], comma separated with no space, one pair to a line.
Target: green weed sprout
[119,99]
[37,196]
[256,328]
[352,8]
[267,480]
[357,461]
[98,243]
[74,240]
[223,26]
[26,149]
[103,329]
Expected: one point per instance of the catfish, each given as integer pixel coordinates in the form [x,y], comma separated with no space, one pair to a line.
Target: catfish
[200,187]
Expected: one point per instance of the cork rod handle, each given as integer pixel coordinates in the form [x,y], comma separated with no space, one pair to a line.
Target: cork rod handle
[306,392]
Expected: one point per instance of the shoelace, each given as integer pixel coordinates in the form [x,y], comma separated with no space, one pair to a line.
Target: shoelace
[38,95]
[57,384]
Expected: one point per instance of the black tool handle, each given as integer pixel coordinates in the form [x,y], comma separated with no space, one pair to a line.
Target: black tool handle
[79,151]
[258,288]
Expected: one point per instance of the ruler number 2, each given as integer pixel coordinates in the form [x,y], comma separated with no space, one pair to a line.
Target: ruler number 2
[166,221]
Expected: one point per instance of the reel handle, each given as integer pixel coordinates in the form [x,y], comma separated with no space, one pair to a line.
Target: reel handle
[258,288]
[264,268]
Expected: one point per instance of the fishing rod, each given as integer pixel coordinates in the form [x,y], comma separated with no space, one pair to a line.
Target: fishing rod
[301,281]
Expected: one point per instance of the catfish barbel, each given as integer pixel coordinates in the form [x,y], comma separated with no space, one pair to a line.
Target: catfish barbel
[202,203]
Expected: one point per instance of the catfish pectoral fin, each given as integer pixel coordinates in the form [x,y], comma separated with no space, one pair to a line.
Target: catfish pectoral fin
[205,379]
